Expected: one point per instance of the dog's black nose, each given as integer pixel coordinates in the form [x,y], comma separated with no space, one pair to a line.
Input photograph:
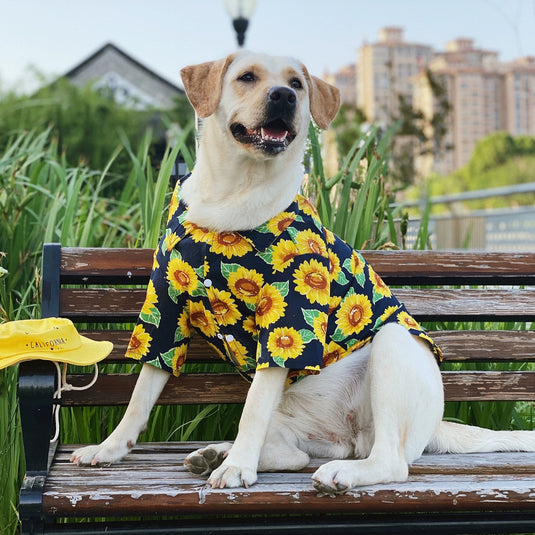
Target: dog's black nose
[281,103]
[284,95]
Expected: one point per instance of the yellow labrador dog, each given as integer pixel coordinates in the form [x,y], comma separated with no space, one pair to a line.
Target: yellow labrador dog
[378,408]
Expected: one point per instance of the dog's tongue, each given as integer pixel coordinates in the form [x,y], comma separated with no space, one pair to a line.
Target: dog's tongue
[271,133]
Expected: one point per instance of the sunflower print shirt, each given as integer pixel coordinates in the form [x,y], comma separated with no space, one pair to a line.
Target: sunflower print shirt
[288,293]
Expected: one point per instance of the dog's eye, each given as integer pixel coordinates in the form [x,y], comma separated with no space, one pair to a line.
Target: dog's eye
[295,83]
[247,77]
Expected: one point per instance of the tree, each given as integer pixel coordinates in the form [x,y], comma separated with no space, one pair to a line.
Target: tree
[491,151]
[88,123]
[419,134]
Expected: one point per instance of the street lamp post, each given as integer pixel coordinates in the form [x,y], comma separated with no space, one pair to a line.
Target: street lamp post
[240,12]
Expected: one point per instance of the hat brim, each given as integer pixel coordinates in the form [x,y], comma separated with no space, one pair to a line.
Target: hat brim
[90,352]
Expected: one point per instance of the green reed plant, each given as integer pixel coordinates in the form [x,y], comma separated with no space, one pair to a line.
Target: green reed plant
[355,202]
[42,199]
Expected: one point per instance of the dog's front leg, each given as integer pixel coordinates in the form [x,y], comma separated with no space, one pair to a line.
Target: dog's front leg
[241,464]
[149,386]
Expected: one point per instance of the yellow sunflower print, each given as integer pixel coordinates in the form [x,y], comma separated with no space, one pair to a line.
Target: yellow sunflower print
[139,344]
[224,307]
[320,326]
[329,237]
[249,325]
[378,285]
[334,265]
[312,280]
[283,254]
[408,321]
[387,313]
[173,206]
[150,300]
[170,241]
[184,324]
[285,343]
[202,319]
[306,206]
[354,314]
[333,352]
[198,234]
[238,350]
[230,244]
[357,263]
[179,358]
[280,222]
[245,284]
[181,276]
[334,303]
[309,241]
[270,306]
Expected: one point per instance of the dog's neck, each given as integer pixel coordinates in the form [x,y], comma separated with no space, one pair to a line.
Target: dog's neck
[231,190]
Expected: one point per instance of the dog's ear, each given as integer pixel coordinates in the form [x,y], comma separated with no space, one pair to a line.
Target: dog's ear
[324,100]
[203,84]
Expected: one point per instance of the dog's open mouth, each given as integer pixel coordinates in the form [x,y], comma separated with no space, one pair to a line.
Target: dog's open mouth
[272,138]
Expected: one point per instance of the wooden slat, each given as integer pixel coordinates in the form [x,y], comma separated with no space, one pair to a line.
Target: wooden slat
[101,304]
[199,350]
[422,266]
[92,264]
[188,389]
[425,305]
[115,389]
[153,481]
[489,386]
[508,346]
[457,346]
[454,267]
[431,464]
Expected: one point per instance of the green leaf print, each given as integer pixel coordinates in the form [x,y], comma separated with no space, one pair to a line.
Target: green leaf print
[310,315]
[153,317]
[228,269]
[307,335]
[168,357]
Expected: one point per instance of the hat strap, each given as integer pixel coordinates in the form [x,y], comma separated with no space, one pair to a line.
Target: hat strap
[64,386]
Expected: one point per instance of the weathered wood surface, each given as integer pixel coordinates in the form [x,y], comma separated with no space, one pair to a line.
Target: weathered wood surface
[457,346]
[116,389]
[468,267]
[99,304]
[153,481]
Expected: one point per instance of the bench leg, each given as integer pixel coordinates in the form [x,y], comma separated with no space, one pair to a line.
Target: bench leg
[37,383]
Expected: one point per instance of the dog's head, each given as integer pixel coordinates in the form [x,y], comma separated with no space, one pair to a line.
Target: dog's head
[264,103]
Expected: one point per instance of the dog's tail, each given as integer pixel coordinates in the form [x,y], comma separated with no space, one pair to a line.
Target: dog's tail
[457,438]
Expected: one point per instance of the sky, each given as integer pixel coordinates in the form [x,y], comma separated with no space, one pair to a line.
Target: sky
[53,36]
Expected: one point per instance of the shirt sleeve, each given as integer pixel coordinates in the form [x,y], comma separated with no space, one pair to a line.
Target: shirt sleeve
[162,333]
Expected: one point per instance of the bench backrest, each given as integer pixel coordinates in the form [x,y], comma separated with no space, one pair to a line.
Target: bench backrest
[95,287]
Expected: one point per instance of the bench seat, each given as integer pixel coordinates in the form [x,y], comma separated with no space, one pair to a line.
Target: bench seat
[150,491]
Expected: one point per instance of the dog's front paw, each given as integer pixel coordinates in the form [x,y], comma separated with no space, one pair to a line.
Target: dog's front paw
[230,476]
[332,478]
[105,453]
[203,461]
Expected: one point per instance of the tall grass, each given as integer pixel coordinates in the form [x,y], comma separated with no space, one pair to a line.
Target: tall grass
[42,199]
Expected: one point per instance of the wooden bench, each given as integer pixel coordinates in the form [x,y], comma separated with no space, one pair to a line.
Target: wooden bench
[490,493]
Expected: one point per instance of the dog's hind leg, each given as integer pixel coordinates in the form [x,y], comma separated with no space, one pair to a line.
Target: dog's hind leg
[280,451]
[405,394]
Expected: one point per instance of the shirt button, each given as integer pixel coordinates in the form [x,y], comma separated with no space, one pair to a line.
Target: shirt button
[208,283]
[220,336]
[229,338]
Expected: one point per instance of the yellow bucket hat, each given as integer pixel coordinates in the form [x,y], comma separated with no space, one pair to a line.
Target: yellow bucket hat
[53,339]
